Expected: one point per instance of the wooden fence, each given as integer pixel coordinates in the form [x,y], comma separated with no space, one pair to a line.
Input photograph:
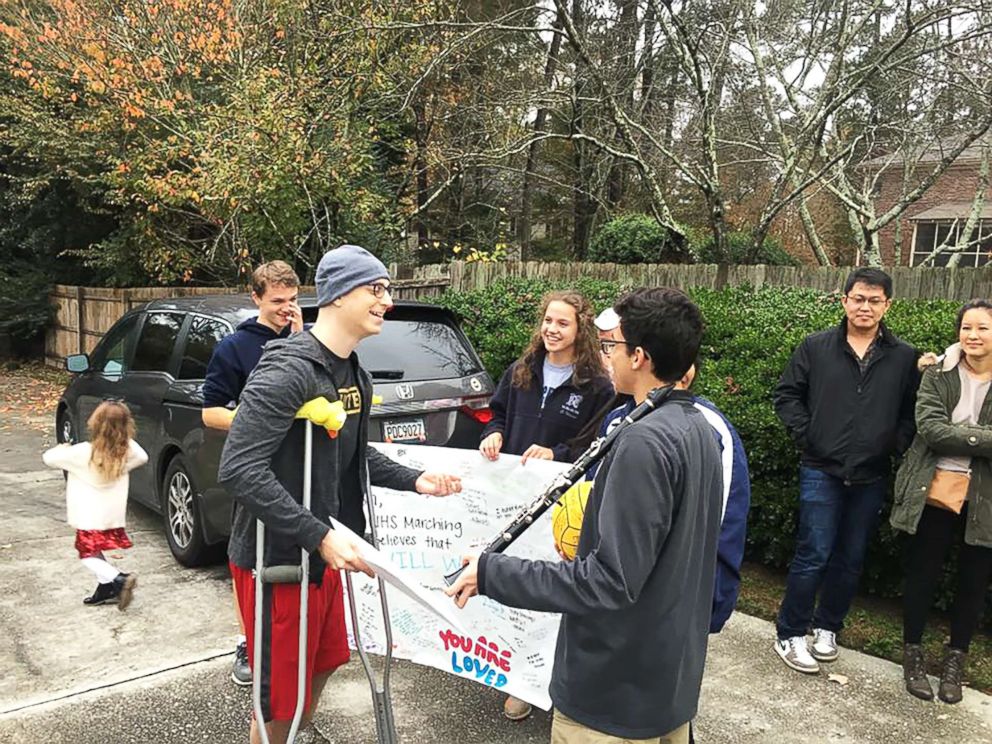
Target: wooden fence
[84,314]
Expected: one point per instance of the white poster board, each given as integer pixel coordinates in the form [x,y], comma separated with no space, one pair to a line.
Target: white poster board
[424,536]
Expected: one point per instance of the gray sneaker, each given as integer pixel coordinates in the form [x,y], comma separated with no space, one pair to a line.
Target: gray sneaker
[795,654]
[824,646]
[241,672]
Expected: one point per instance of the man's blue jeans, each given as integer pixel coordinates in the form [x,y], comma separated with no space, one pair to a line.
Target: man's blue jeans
[836,523]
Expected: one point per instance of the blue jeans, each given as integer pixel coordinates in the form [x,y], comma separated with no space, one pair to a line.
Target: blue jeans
[836,523]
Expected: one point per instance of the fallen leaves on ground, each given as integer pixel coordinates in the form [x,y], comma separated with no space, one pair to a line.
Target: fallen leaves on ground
[29,394]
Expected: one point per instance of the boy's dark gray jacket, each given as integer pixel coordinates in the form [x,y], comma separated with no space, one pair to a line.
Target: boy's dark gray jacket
[636,601]
[936,436]
[262,462]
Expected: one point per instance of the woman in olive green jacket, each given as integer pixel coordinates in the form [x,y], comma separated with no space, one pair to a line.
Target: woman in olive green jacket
[954,440]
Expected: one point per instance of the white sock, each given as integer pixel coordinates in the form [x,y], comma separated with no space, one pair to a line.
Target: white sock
[105,573]
[241,639]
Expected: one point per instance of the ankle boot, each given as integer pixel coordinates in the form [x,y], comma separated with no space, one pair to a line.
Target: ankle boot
[124,585]
[914,671]
[951,675]
[102,593]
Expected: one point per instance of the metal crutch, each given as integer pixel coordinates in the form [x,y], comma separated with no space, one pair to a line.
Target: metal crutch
[381,701]
[283,575]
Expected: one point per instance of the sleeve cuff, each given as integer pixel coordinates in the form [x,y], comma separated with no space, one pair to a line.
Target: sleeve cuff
[481,579]
[313,535]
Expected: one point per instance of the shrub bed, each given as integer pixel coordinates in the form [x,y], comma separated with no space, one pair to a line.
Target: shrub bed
[749,337]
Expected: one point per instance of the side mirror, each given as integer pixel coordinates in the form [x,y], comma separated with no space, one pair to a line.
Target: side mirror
[77,363]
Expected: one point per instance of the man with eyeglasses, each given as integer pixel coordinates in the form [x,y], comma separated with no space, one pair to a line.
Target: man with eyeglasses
[262,468]
[846,398]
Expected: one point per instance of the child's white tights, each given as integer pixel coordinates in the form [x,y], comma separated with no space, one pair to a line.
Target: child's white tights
[105,573]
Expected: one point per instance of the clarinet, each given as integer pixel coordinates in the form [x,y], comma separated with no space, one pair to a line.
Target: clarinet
[597,450]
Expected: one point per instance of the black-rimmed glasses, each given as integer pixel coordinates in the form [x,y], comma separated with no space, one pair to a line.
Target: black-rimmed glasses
[379,289]
[607,346]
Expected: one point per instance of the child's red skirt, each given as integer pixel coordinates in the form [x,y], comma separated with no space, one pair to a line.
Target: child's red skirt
[90,543]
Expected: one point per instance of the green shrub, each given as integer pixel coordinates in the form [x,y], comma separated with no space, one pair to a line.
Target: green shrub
[25,310]
[740,249]
[749,338]
[634,238]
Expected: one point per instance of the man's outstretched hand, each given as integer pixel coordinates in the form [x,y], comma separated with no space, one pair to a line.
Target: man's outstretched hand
[438,484]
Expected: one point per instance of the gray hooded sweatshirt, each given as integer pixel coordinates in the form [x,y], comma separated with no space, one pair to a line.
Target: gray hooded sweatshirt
[636,601]
[262,462]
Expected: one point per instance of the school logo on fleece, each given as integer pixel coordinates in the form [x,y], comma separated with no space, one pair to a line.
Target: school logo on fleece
[571,406]
[351,397]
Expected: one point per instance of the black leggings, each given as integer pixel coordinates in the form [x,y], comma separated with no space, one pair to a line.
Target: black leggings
[937,530]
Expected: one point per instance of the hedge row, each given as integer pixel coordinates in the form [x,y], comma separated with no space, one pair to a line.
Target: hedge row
[750,335]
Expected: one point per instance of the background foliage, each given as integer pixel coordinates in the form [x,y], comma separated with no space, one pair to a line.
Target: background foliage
[750,335]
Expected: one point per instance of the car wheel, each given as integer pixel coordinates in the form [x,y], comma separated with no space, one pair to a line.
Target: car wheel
[64,431]
[181,510]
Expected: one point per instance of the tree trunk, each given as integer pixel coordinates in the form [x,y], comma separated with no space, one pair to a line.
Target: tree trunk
[420,169]
[540,120]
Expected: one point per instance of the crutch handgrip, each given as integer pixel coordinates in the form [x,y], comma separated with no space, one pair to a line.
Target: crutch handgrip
[282,575]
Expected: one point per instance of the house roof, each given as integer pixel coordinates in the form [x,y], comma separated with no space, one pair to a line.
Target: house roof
[953,211]
[971,154]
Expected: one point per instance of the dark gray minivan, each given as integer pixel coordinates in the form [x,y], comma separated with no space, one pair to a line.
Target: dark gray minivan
[433,387]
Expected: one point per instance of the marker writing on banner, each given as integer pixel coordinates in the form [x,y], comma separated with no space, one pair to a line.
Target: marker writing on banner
[480,658]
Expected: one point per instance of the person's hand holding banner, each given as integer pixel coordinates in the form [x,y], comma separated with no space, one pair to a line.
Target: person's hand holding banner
[438,484]
[467,584]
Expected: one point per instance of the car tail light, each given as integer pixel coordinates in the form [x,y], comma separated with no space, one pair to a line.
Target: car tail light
[478,409]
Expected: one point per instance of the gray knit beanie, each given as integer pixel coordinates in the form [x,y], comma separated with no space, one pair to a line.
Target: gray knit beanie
[344,268]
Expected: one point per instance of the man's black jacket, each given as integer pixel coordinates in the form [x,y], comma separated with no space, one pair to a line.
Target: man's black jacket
[846,423]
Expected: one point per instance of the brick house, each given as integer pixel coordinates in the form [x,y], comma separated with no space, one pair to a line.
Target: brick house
[939,215]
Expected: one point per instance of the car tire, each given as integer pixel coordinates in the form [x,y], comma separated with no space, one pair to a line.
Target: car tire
[181,512]
[65,432]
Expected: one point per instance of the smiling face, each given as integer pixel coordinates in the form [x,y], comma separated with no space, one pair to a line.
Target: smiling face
[559,327]
[362,311]
[975,334]
[865,305]
[274,306]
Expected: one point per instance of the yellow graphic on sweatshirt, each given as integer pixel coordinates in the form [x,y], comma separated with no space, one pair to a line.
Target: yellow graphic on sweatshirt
[352,399]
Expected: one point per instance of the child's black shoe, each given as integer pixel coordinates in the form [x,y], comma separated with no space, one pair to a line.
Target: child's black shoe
[124,586]
[103,593]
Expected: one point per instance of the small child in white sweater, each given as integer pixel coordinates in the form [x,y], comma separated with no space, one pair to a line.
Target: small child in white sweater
[96,496]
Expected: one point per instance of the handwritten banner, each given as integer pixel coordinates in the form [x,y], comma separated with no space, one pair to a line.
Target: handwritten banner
[509,649]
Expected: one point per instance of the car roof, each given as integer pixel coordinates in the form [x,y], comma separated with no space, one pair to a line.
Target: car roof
[239,307]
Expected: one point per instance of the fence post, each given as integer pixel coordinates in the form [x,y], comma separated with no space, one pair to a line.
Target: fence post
[80,343]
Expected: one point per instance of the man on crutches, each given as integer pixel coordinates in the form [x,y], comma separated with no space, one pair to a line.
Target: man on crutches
[262,467]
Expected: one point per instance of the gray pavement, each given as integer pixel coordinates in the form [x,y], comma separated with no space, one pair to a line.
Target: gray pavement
[160,672]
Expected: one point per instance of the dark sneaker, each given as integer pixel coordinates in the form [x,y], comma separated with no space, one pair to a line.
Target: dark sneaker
[103,593]
[914,671]
[951,675]
[124,586]
[241,672]
[516,709]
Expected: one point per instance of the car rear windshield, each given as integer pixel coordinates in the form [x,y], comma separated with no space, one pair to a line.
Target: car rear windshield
[416,349]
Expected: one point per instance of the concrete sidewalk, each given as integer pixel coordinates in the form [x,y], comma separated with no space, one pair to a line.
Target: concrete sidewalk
[159,673]
[748,696]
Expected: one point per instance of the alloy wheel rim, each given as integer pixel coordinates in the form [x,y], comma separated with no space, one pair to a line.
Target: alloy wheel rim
[67,430]
[181,509]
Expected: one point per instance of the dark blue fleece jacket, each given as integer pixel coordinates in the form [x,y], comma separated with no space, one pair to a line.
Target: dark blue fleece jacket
[233,360]
[736,503]
[518,416]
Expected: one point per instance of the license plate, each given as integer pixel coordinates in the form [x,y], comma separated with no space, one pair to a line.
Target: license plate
[411,430]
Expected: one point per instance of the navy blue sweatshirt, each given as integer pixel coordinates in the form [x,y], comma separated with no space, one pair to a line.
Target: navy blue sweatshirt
[233,360]
[518,416]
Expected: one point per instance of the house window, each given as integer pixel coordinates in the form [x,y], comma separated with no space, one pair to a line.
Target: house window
[931,234]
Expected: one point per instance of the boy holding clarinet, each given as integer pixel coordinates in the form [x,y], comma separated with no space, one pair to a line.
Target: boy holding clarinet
[636,601]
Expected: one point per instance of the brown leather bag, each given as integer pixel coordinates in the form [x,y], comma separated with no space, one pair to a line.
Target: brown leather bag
[948,490]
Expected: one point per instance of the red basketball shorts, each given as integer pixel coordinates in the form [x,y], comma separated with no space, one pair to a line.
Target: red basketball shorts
[327,636]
